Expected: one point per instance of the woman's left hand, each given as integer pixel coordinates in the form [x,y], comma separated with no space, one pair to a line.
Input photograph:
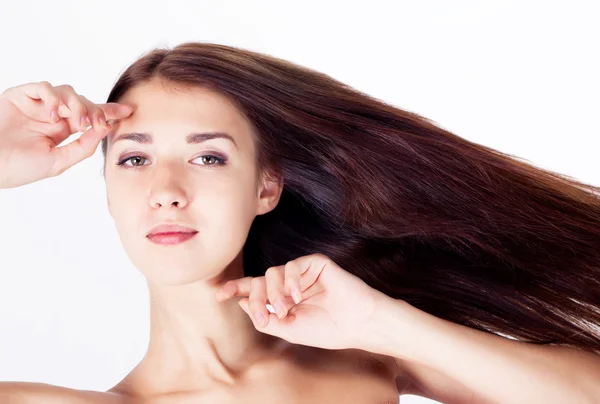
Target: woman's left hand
[333,305]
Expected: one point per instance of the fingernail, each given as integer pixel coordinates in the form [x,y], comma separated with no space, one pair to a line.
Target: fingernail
[82,122]
[54,116]
[279,309]
[260,318]
[296,295]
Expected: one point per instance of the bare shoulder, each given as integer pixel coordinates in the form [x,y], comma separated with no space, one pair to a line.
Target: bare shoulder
[346,375]
[33,393]
[359,376]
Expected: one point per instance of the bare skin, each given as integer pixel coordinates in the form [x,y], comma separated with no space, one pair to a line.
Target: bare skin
[300,375]
[200,350]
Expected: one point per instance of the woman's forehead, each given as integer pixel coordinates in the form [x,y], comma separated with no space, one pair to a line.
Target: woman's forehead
[193,110]
[153,97]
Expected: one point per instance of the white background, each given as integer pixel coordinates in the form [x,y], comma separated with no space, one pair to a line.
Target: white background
[519,76]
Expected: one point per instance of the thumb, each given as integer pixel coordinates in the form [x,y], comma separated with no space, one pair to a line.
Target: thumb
[78,150]
[275,327]
[243,303]
[114,110]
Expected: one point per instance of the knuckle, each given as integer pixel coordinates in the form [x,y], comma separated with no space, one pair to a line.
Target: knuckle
[271,271]
[57,169]
[322,256]
[54,100]
[53,97]
[97,113]
[80,107]
[66,87]
[86,102]
[229,286]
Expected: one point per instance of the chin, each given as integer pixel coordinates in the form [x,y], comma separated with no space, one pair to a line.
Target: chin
[178,273]
[173,277]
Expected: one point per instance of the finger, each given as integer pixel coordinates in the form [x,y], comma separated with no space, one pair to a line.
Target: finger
[292,276]
[108,113]
[258,301]
[96,116]
[245,305]
[36,100]
[75,107]
[281,328]
[237,287]
[310,267]
[52,99]
[274,278]
[113,110]
[68,155]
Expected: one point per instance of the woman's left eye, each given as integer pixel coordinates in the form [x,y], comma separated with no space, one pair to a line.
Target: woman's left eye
[212,158]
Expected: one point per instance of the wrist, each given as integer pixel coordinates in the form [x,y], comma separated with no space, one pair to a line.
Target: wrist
[390,329]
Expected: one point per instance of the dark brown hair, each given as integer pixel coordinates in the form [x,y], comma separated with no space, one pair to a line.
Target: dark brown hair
[454,228]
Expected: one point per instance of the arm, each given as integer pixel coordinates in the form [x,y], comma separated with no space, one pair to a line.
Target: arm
[27,393]
[485,367]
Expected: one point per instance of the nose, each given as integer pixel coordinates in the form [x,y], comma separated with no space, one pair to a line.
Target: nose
[166,191]
[168,199]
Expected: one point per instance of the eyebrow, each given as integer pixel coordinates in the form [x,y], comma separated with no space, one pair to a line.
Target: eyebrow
[192,138]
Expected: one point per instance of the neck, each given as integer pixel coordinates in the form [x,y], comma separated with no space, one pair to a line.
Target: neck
[196,341]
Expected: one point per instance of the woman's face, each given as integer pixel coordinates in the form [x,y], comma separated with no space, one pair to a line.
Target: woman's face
[209,184]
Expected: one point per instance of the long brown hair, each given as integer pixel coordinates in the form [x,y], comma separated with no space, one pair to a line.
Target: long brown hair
[454,228]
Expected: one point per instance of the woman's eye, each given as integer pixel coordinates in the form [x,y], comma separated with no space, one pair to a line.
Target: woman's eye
[132,158]
[207,160]
[211,160]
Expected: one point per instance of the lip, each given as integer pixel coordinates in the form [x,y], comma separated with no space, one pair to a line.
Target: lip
[170,228]
[170,238]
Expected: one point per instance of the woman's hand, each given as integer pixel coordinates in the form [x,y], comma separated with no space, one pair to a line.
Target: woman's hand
[35,118]
[332,307]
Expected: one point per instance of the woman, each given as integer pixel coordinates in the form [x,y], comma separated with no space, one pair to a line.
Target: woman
[259,162]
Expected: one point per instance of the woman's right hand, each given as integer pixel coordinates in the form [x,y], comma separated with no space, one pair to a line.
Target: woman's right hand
[30,132]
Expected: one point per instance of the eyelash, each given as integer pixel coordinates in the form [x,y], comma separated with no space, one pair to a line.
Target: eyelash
[219,161]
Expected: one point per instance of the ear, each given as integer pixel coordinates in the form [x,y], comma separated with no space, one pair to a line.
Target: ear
[269,192]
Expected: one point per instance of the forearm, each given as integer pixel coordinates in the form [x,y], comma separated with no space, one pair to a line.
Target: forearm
[497,369]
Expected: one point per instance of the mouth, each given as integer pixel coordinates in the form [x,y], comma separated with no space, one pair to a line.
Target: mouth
[171,238]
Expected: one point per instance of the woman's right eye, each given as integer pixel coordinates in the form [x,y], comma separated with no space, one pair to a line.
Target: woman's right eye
[133,159]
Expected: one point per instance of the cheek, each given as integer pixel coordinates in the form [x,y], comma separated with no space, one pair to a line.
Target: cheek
[233,196]
[226,219]
[125,209]
[232,209]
